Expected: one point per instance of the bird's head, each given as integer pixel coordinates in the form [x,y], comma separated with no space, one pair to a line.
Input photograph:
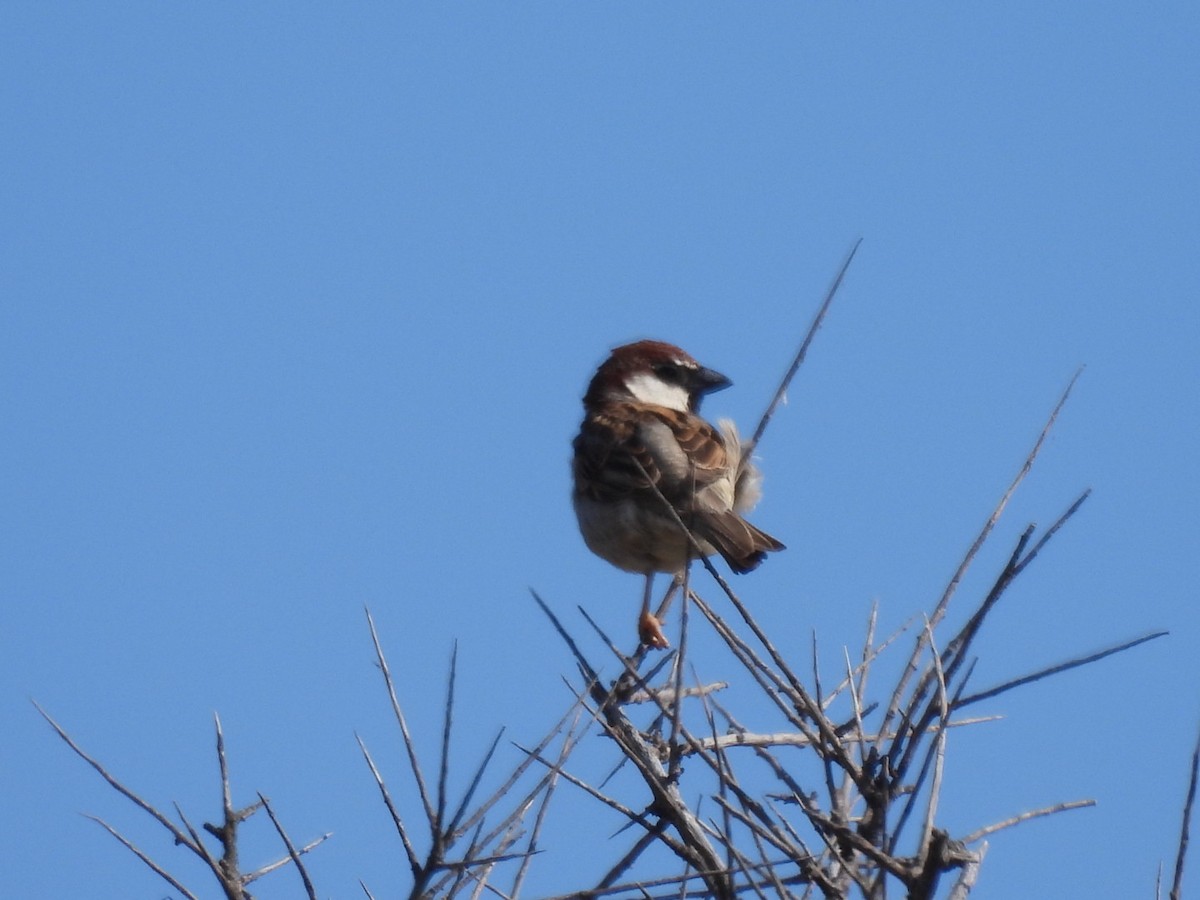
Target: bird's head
[653,372]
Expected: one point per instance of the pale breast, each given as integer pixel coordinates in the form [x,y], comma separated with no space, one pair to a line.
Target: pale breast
[629,536]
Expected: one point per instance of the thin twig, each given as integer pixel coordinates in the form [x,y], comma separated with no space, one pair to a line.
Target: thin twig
[1181,855]
[792,739]
[291,849]
[413,862]
[1052,530]
[725,775]
[439,822]
[222,876]
[800,354]
[188,837]
[856,707]
[507,830]
[870,654]
[1027,466]
[676,708]
[583,785]
[1026,816]
[539,817]
[155,867]
[503,790]
[826,758]
[180,836]
[625,863]
[771,684]
[589,672]
[914,789]
[667,695]
[942,605]
[226,793]
[465,803]
[284,860]
[939,744]
[1055,669]
[409,745]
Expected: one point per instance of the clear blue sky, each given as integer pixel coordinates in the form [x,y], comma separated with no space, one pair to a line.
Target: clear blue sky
[297,302]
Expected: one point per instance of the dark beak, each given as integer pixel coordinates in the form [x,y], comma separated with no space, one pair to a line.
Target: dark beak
[706,381]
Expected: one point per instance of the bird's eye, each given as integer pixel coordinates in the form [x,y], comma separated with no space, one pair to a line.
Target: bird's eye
[669,372]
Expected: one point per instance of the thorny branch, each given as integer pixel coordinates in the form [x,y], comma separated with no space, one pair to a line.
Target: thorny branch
[225,868]
[814,800]
[885,763]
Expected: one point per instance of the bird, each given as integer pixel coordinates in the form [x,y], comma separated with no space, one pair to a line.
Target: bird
[643,446]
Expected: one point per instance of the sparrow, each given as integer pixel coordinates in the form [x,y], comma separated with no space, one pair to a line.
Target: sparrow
[642,437]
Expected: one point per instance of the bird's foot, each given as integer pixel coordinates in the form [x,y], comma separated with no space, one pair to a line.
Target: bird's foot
[651,633]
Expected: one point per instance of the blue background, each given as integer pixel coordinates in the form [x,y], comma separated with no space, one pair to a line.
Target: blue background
[297,303]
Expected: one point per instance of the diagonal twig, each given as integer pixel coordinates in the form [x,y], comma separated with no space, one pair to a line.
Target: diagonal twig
[413,862]
[285,860]
[439,821]
[539,818]
[800,354]
[465,803]
[939,612]
[409,745]
[155,867]
[981,833]
[291,849]
[1181,855]
[125,792]
[1055,669]
[939,754]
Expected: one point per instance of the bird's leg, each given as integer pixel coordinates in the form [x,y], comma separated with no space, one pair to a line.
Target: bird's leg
[649,628]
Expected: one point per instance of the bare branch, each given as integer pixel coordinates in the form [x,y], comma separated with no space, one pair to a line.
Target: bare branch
[939,750]
[502,791]
[801,353]
[667,695]
[539,817]
[226,794]
[291,849]
[623,865]
[465,804]
[793,739]
[444,764]
[1181,855]
[155,867]
[125,792]
[228,879]
[943,604]
[1027,466]
[284,860]
[968,876]
[589,672]
[409,851]
[1056,669]
[409,746]
[1026,816]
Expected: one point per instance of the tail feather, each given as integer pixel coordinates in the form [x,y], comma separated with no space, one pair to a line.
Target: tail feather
[741,545]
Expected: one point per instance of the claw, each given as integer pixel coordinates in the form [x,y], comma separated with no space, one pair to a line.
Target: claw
[651,633]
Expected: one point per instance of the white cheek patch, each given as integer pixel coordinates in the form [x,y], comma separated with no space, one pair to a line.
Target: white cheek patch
[652,389]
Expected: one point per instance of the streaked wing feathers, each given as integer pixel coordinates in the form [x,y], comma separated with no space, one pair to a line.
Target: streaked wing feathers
[677,451]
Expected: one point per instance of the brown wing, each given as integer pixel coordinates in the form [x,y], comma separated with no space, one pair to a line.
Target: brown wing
[621,445]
